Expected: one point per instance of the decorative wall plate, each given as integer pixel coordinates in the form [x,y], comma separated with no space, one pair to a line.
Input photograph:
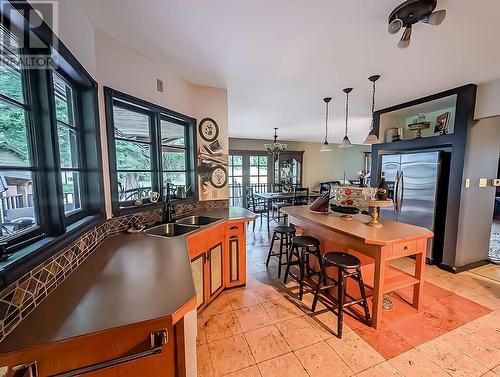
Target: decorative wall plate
[208,130]
[219,177]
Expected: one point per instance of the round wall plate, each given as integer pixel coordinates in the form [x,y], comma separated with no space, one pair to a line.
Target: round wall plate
[219,177]
[208,130]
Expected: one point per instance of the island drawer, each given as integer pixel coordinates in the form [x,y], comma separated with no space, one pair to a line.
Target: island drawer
[235,228]
[404,248]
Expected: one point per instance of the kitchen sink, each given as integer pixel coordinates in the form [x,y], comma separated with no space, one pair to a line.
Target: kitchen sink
[171,230]
[197,220]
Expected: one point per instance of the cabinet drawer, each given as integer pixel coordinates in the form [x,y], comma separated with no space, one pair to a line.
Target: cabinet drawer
[404,248]
[235,228]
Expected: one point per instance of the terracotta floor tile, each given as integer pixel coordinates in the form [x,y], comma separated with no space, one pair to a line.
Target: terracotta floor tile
[486,328]
[252,371]
[387,342]
[355,352]
[201,338]
[281,310]
[204,365]
[242,298]
[230,355]
[253,317]
[266,343]
[221,326]
[490,374]
[320,360]
[298,332]
[266,293]
[452,360]
[220,305]
[496,370]
[384,369]
[325,323]
[283,366]
[415,363]
[476,348]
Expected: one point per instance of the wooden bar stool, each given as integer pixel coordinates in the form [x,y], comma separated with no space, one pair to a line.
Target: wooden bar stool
[348,266]
[283,234]
[302,247]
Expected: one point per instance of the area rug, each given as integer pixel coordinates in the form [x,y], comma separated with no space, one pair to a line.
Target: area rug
[495,248]
[403,328]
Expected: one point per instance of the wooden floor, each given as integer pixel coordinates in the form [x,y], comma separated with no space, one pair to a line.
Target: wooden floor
[261,331]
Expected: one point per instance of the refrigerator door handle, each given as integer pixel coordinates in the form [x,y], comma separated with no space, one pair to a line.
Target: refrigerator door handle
[396,193]
[400,201]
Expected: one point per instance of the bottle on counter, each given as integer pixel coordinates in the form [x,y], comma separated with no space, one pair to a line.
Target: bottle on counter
[383,189]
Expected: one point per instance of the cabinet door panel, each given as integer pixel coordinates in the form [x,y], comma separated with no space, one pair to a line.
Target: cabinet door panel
[198,270]
[234,270]
[216,269]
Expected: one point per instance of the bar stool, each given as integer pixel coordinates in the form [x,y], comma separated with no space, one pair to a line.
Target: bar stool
[302,247]
[284,234]
[344,263]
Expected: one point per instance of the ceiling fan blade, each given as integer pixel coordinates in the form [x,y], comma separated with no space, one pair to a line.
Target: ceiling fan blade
[405,39]
[395,26]
[436,18]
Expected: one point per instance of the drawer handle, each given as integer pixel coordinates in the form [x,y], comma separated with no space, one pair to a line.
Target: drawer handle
[26,370]
[234,228]
[158,339]
[406,247]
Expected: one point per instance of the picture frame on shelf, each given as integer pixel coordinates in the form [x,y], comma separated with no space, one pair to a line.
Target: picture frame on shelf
[442,123]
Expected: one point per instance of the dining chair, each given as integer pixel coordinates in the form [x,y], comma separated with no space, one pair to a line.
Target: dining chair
[255,205]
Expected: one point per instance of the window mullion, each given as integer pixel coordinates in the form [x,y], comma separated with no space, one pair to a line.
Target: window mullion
[156,163]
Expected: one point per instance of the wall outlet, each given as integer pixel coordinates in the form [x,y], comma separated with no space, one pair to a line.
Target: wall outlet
[495,182]
[467,183]
[483,182]
[159,85]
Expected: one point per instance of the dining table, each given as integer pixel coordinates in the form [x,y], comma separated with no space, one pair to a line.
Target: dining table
[271,197]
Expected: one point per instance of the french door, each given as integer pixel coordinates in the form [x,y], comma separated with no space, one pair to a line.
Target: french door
[248,169]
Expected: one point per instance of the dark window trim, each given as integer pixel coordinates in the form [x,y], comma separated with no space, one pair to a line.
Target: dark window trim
[157,114]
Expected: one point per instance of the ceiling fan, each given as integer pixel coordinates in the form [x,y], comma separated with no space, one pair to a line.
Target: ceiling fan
[411,12]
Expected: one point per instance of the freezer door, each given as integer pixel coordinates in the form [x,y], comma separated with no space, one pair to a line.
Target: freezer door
[391,167]
[419,179]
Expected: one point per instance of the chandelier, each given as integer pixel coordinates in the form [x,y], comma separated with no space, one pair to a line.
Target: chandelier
[275,148]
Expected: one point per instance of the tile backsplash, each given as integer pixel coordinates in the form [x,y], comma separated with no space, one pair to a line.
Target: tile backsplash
[20,298]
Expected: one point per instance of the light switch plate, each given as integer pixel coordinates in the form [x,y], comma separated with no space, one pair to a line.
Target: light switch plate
[483,182]
[159,85]
[467,183]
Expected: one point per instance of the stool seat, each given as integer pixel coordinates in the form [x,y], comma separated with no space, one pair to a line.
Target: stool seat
[305,241]
[283,229]
[342,260]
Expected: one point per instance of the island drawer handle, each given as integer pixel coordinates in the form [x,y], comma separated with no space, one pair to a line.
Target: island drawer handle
[158,339]
[406,247]
[234,228]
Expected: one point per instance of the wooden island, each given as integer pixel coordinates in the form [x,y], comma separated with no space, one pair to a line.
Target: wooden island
[374,246]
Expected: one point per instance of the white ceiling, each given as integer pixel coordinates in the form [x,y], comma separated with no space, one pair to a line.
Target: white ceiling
[279,58]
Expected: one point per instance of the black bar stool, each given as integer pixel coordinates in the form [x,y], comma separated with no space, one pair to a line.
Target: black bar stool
[344,263]
[283,234]
[302,247]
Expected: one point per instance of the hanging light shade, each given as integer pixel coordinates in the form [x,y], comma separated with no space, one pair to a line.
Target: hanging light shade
[326,147]
[275,148]
[372,137]
[346,143]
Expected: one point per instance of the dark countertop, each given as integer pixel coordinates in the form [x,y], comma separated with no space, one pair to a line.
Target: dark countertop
[129,279]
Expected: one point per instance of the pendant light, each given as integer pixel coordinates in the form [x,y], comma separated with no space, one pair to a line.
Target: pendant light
[276,147]
[372,137]
[326,147]
[346,143]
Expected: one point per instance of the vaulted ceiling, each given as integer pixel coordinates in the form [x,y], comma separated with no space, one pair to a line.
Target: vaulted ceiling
[279,58]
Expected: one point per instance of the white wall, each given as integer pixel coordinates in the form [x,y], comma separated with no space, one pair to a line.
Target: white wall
[318,166]
[488,100]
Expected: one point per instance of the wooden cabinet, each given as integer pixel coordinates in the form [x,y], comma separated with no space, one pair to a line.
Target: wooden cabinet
[235,271]
[143,349]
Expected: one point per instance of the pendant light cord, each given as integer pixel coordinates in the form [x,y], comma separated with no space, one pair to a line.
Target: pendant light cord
[346,113]
[373,107]
[326,123]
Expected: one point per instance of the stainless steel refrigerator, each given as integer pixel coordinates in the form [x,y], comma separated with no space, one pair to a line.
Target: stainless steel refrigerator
[415,181]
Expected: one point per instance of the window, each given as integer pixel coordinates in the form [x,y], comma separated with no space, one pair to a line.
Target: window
[49,145]
[236,180]
[150,148]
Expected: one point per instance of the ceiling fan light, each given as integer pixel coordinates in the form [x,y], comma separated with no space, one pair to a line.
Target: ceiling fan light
[346,143]
[371,139]
[405,38]
[326,147]
[395,26]
[436,18]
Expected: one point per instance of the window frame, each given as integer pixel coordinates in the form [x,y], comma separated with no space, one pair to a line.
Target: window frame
[54,229]
[157,113]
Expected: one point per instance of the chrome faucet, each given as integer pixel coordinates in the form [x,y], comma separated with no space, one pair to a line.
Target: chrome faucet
[168,208]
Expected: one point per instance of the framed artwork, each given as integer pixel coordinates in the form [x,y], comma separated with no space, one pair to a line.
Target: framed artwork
[442,123]
[208,130]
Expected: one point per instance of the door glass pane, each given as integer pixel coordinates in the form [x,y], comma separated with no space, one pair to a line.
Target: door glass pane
[68,152]
[215,269]
[254,170]
[237,170]
[172,134]
[13,139]
[132,156]
[237,160]
[131,125]
[134,185]
[173,159]
[17,209]
[263,160]
[71,190]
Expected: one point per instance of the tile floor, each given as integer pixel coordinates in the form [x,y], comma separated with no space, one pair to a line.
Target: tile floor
[256,331]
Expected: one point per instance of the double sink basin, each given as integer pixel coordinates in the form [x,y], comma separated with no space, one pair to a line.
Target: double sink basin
[181,227]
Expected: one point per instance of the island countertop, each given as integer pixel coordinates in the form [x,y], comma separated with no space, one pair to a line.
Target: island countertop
[392,231]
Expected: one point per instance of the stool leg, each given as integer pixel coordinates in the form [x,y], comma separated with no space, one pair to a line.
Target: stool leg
[270,249]
[289,263]
[322,278]
[341,294]
[302,273]
[363,295]
[282,240]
